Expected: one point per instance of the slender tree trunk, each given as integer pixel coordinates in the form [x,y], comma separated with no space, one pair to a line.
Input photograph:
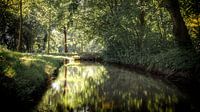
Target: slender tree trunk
[179,28]
[48,41]
[142,24]
[20,28]
[49,32]
[160,24]
[65,37]
[45,41]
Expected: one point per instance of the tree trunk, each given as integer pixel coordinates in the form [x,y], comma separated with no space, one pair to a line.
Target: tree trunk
[142,24]
[48,41]
[19,46]
[179,28]
[45,41]
[49,33]
[65,37]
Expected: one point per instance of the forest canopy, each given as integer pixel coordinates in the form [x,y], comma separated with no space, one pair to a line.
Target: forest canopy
[115,28]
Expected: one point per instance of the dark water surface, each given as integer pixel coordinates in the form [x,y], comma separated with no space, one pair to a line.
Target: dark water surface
[93,87]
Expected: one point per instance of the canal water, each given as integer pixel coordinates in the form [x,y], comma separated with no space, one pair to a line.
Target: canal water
[94,87]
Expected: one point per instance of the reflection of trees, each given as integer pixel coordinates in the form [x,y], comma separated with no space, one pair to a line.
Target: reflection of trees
[131,91]
[95,87]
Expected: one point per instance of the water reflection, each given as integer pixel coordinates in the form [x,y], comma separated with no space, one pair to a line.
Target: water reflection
[94,87]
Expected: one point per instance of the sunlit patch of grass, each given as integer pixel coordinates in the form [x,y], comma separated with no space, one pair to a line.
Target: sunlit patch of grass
[9,72]
[48,69]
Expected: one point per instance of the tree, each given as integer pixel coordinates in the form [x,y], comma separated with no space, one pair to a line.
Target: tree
[180,30]
[20,28]
[142,23]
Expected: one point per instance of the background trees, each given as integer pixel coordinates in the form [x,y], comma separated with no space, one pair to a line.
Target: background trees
[40,19]
[152,33]
[120,27]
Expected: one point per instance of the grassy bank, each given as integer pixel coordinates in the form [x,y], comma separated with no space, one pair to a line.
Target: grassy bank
[171,63]
[24,76]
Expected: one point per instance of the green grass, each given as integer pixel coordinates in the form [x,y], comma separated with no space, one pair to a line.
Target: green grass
[24,75]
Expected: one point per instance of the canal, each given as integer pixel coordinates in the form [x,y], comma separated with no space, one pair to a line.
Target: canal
[91,87]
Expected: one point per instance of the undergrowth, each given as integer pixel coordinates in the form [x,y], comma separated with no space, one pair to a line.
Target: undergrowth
[172,59]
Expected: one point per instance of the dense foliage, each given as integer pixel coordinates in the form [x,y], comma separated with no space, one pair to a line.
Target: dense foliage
[142,32]
[41,20]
